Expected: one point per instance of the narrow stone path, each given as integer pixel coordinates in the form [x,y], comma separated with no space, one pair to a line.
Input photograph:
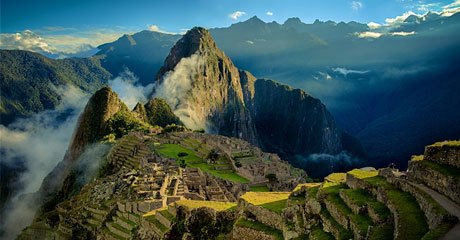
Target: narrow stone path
[449,205]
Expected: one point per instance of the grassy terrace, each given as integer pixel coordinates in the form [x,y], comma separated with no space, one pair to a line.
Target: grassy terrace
[318,233]
[362,198]
[192,160]
[157,223]
[407,208]
[344,233]
[242,222]
[273,201]
[443,169]
[362,221]
[361,174]
[165,213]
[262,188]
[306,185]
[218,206]
[335,177]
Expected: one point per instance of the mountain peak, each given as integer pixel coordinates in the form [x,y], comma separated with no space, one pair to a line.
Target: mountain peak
[254,19]
[196,40]
[292,21]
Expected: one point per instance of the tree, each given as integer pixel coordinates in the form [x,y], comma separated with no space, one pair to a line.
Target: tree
[181,163]
[182,154]
[213,156]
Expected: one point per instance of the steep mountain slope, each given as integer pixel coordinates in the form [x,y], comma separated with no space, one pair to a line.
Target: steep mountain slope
[203,87]
[93,124]
[216,96]
[142,53]
[27,80]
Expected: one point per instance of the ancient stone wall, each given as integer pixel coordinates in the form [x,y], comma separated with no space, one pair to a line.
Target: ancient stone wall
[242,233]
[446,185]
[263,215]
[444,154]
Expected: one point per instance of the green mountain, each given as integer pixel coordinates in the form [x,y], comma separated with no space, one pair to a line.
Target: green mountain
[27,80]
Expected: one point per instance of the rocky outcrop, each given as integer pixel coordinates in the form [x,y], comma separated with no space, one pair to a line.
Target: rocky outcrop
[444,153]
[232,102]
[439,168]
[159,113]
[91,127]
[290,121]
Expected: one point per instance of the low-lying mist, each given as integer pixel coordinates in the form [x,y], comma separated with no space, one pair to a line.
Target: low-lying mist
[38,143]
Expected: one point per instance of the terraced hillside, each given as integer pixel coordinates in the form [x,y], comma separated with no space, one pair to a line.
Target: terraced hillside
[189,185]
[145,174]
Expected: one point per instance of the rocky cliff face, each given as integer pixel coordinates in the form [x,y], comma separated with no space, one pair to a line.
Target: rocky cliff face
[289,121]
[210,92]
[203,87]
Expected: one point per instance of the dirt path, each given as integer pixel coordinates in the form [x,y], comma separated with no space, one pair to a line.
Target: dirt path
[449,205]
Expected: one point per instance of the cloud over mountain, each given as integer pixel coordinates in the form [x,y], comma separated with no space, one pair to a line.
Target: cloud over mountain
[236,15]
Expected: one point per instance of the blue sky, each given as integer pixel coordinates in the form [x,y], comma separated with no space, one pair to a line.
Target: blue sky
[58,21]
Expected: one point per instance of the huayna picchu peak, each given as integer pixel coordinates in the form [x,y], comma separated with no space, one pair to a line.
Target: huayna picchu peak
[215,95]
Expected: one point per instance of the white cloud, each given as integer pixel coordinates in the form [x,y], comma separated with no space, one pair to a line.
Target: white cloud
[345,71]
[400,19]
[236,15]
[269,13]
[175,89]
[325,75]
[451,9]
[374,25]
[60,42]
[369,35]
[128,90]
[26,40]
[250,42]
[156,28]
[356,5]
[40,142]
[402,33]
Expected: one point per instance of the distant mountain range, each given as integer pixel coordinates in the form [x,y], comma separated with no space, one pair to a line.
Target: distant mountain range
[382,83]
[390,83]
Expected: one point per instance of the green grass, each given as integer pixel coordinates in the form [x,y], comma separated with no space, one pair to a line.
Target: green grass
[165,213]
[276,206]
[157,223]
[406,205]
[344,233]
[262,188]
[260,227]
[317,233]
[117,226]
[192,160]
[312,192]
[438,232]
[382,232]
[362,198]
[105,229]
